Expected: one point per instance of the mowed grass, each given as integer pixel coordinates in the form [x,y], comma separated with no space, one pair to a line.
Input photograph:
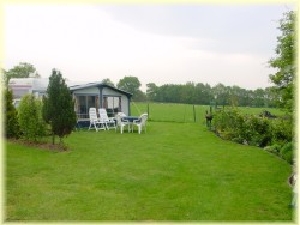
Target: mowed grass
[172,112]
[174,172]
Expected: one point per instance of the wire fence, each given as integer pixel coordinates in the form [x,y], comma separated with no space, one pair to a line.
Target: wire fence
[171,112]
[192,113]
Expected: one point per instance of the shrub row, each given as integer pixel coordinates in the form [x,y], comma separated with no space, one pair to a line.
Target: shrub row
[277,133]
[26,122]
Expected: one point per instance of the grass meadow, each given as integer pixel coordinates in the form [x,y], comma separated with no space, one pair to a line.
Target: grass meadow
[186,112]
[173,172]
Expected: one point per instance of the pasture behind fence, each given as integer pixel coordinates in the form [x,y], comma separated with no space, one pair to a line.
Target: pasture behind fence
[171,112]
[185,113]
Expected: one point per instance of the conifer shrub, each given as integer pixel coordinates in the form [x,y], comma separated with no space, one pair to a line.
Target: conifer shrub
[32,125]
[11,117]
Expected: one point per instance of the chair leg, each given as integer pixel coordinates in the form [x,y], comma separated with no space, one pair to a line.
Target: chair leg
[95,125]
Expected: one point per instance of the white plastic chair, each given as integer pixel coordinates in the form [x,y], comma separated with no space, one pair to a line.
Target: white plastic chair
[120,122]
[109,122]
[141,122]
[94,121]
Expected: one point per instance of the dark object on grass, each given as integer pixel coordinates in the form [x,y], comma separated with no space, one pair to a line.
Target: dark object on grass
[267,114]
[208,118]
[291,180]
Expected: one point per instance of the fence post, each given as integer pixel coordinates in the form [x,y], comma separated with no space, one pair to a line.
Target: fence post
[194,113]
[148,111]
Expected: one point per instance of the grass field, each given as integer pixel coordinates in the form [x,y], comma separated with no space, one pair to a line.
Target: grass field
[174,172]
[185,112]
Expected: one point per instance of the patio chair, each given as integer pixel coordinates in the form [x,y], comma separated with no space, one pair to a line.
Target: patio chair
[109,121]
[94,121]
[141,122]
[121,122]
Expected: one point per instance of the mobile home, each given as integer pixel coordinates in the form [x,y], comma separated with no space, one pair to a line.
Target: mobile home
[91,95]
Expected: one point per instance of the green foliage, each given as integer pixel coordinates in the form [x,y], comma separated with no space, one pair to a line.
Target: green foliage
[130,84]
[283,130]
[261,132]
[11,117]
[58,107]
[107,81]
[275,149]
[32,125]
[23,70]
[221,95]
[230,124]
[284,61]
[287,152]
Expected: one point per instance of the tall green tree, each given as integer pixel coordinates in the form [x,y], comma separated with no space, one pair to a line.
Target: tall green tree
[107,81]
[58,106]
[22,70]
[130,84]
[151,91]
[284,61]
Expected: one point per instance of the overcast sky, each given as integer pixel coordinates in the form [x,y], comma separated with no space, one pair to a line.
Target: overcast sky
[161,44]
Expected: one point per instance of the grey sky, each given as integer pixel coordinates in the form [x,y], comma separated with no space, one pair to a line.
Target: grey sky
[228,44]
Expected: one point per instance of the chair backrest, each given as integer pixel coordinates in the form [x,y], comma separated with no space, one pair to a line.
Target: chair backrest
[93,114]
[118,118]
[103,115]
[121,114]
[102,111]
[144,118]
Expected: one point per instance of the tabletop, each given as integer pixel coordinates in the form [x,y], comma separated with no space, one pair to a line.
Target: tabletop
[130,118]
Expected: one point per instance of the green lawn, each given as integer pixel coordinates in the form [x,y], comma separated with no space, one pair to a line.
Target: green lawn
[174,172]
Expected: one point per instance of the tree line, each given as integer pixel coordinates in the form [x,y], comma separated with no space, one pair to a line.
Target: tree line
[202,94]
[189,93]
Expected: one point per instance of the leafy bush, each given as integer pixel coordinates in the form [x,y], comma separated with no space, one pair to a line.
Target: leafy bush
[11,117]
[287,151]
[261,131]
[276,134]
[275,149]
[232,125]
[30,118]
[282,130]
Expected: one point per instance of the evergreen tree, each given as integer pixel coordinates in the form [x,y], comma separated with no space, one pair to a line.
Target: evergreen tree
[11,117]
[58,106]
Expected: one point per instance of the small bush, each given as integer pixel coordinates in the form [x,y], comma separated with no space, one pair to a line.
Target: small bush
[275,149]
[286,152]
[30,118]
[282,131]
